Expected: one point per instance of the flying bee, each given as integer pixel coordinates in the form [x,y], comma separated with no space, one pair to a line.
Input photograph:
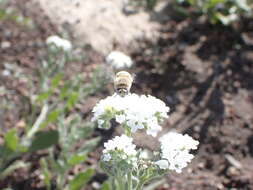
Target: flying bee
[122,83]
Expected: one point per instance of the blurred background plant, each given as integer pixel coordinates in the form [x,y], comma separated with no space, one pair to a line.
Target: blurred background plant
[12,14]
[53,122]
[71,126]
[217,11]
[133,6]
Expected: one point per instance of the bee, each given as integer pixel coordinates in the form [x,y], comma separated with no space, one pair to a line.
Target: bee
[122,83]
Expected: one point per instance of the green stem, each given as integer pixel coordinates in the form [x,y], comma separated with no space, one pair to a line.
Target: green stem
[37,123]
[120,183]
[112,183]
[129,181]
[59,182]
[140,185]
[16,165]
[156,184]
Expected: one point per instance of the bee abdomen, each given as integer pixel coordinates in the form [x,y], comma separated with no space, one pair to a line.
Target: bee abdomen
[122,91]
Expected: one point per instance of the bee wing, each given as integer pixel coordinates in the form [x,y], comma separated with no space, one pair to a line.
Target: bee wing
[137,81]
[110,75]
[134,77]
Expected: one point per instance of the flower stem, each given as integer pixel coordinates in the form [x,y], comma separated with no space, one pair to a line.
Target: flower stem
[120,183]
[129,181]
[40,119]
[113,184]
[141,184]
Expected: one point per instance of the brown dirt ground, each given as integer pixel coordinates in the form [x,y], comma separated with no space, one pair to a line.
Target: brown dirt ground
[204,73]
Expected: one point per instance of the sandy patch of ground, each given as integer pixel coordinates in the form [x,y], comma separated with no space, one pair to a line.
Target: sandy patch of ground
[101,23]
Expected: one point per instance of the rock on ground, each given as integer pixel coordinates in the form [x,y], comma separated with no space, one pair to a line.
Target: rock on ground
[101,23]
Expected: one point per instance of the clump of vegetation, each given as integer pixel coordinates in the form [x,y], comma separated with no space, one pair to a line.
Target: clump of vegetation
[8,13]
[217,11]
[220,11]
[53,123]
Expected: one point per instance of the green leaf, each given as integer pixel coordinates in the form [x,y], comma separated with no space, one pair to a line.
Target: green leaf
[76,159]
[64,91]
[105,186]
[11,140]
[56,80]
[5,152]
[80,132]
[72,99]
[1,151]
[53,115]
[181,11]
[89,145]
[44,96]
[81,179]
[46,173]
[61,166]
[213,3]
[44,140]
[151,4]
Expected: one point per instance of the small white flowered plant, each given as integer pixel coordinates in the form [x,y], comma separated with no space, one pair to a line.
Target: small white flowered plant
[118,60]
[131,168]
[59,42]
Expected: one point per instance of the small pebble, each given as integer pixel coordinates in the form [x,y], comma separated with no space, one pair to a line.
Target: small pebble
[5,44]
[6,73]
[96,185]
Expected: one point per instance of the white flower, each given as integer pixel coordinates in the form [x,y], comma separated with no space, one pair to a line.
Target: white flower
[59,42]
[106,157]
[120,118]
[100,123]
[118,60]
[178,160]
[121,143]
[154,127]
[175,149]
[178,141]
[163,164]
[133,111]
[144,154]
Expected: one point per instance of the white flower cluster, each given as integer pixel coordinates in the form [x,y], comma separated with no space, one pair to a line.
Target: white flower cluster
[134,111]
[175,149]
[118,60]
[122,143]
[59,42]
